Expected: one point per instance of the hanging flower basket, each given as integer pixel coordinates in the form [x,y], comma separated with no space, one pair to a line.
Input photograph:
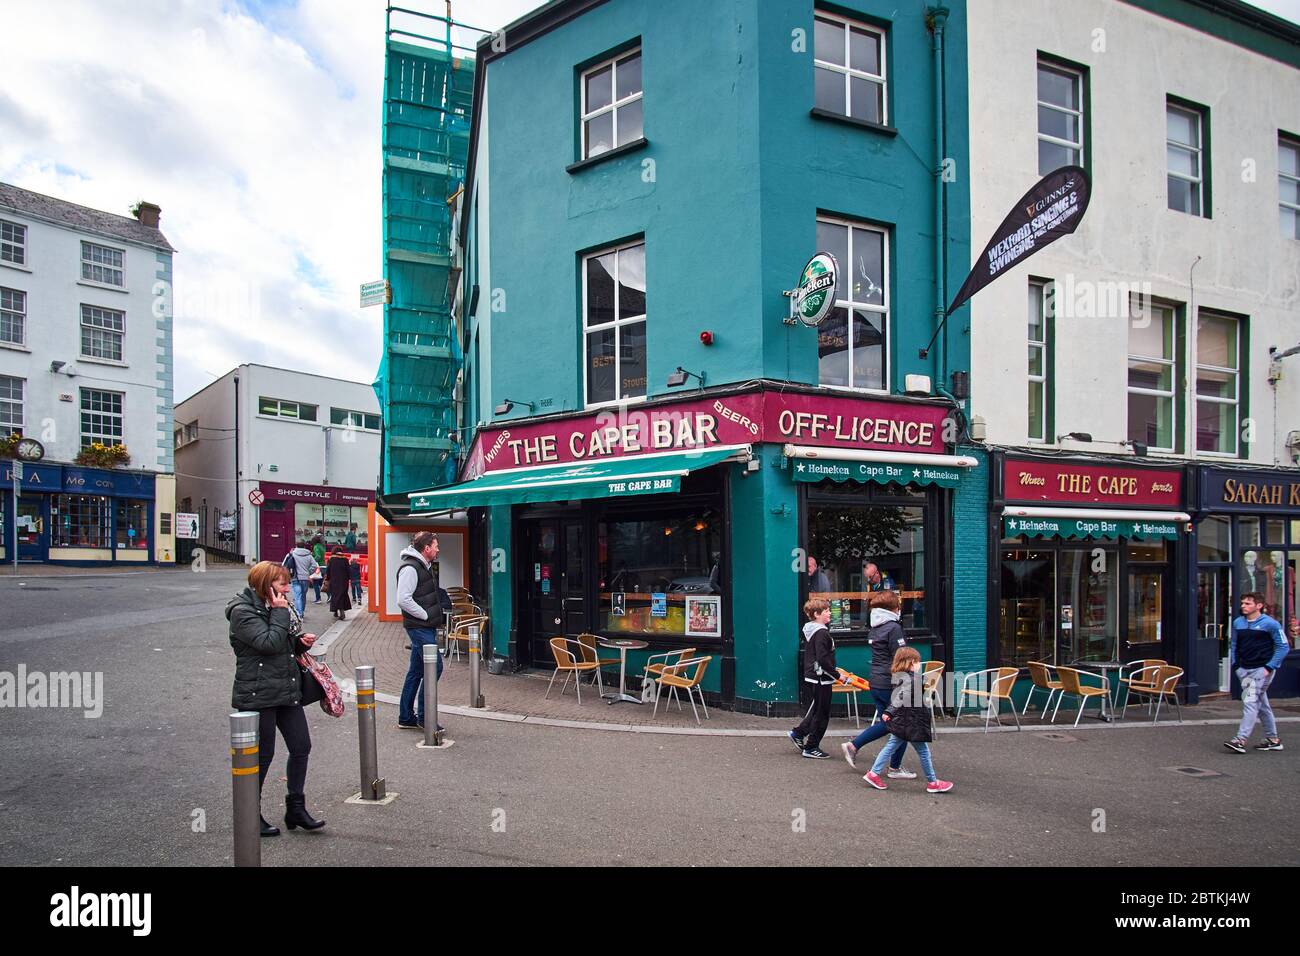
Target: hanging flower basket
[9,445]
[96,455]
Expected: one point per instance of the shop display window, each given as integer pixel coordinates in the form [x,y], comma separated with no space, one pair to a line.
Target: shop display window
[80,521]
[847,528]
[661,574]
[1212,544]
[339,526]
[132,527]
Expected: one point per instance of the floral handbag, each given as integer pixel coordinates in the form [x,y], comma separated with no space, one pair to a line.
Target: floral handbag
[332,700]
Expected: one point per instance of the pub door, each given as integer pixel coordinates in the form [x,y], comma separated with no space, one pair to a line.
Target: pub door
[556,585]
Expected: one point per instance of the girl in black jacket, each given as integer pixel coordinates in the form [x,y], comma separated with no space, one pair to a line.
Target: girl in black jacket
[266,635]
[909,722]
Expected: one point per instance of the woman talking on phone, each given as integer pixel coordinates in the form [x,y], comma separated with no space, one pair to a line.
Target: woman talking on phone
[267,636]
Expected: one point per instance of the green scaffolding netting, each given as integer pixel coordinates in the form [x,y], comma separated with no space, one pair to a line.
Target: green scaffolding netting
[427,96]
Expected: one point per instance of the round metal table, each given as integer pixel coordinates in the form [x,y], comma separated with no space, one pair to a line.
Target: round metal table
[623,645]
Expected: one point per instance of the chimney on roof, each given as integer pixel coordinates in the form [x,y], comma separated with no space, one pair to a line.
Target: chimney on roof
[148,214]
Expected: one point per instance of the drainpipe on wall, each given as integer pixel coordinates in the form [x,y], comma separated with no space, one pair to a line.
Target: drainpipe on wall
[937,17]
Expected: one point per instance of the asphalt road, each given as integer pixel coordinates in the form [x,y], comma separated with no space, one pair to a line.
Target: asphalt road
[147,783]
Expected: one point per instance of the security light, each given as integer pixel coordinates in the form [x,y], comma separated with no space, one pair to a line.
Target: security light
[507,404]
[56,365]
[1077,436]
[679,377]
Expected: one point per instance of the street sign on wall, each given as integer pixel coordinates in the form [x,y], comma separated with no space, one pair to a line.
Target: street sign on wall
[375,293]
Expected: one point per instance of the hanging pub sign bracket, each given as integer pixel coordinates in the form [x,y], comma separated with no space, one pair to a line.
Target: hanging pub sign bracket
[812,299]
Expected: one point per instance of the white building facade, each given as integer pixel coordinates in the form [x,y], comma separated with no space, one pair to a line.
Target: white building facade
[86,359]
[267,457]
[1145,350]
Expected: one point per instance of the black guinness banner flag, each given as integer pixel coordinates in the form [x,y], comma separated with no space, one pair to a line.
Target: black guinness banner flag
[1052,209]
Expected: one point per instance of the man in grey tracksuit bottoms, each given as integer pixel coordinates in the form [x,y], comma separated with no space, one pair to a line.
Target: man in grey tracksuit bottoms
[423,604]
[1257,650]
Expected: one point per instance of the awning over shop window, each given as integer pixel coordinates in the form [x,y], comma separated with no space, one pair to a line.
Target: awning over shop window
[608,478]
[818,464]
[1082,523]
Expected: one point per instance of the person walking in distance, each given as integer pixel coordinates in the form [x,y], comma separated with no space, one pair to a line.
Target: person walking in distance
[424,605]
[301,566]
[354,578]
[818,670]
[336,571]
[266,635]
[1256,651]
[318,553]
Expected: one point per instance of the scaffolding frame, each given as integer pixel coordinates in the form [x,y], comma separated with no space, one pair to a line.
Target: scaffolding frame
[428,94]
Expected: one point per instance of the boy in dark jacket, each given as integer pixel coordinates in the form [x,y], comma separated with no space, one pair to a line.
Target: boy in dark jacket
[818,670]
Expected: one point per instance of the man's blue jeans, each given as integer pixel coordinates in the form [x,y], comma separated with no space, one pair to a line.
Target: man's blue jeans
[411,708]
[300,596]
[880,729]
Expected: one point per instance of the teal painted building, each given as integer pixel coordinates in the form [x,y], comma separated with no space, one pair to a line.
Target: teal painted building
[644,182]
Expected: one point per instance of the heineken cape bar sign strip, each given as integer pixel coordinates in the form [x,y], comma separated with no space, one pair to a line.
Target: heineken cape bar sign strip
[1089,528]
[882,473]
[1052,209]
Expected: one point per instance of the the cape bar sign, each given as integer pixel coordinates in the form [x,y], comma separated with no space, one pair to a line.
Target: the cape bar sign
[812,299]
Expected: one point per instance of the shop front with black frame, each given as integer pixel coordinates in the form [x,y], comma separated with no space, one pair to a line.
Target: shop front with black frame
[1247,540]
[905,530]
[1090,556]
[649,568]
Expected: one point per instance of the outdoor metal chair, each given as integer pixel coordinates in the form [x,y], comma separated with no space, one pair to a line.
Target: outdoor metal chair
[1040,676]
[1155,683]
[1070,684]
[686,675]
[1000,680]
[569,662]
[458,633]
[931,684]
[591,653]
[655,664]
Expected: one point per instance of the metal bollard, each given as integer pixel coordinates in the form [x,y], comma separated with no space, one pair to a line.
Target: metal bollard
[245,789]
[432,737]
[372,787]
[475,658]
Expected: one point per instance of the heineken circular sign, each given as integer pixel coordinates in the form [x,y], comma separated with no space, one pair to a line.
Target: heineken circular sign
[815,293]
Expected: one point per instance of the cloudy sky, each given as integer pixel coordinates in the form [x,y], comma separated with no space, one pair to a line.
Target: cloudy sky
[255,124]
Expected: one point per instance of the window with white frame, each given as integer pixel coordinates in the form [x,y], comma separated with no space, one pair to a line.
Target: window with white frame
[1288,186]
[279,408]
[613,320]
[1152,375]
[350,419]
[101,264]
[11,405]
[1060,116]
[849,68]
[1218,339]
[13,243]
[101,417]
[852,342]
[1040,306]
[1185,157]
[13,316]
[102,331]
[612,104]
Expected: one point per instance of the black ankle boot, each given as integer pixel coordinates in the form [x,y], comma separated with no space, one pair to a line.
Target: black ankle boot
[268,829]
[296,815]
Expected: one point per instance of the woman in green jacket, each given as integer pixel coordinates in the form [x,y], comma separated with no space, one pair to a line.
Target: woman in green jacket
[267,635]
